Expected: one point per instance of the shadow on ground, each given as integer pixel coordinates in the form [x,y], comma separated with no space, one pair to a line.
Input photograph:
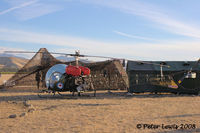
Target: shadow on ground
[33,95]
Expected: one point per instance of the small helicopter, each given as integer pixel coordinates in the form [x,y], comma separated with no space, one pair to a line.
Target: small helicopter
[74,78]
[62,77]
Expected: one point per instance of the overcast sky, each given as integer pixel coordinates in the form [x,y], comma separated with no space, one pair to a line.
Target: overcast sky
[134,29]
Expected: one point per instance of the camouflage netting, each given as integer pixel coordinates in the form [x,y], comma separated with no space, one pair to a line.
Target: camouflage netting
[43,60]
[108,75]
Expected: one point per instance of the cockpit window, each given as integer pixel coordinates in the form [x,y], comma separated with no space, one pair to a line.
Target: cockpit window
[54,74]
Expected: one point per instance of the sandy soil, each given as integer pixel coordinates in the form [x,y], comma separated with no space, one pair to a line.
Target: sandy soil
[105,113]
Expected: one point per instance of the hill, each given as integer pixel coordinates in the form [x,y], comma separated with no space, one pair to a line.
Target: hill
[11,64]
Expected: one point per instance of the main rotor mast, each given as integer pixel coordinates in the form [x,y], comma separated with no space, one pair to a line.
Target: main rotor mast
[77,54]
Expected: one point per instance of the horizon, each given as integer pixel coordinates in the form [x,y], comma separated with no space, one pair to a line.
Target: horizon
[149,30]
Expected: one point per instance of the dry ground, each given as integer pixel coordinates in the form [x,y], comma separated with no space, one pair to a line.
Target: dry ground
[109,113]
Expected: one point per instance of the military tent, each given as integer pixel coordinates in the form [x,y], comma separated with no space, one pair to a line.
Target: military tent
[41,61]
[140,73]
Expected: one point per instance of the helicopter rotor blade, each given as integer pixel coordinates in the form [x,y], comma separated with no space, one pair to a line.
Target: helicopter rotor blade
[31,52]
[81,55]
[106,57]
[144,62]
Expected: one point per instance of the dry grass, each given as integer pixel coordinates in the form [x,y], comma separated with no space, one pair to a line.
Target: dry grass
[18,61]
[107,113]
[5,77]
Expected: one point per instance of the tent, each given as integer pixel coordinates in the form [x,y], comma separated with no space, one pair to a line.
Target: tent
[42,60]
[140,73]
[109,75]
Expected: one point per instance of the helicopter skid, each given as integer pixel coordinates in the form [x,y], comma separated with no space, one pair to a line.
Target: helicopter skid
[52,94]
[73,94]
[46,91]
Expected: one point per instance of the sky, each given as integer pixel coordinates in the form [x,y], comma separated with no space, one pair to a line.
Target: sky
[133,29]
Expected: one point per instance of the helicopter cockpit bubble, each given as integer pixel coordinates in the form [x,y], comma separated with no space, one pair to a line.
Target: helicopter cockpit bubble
[54,74]
[190,75]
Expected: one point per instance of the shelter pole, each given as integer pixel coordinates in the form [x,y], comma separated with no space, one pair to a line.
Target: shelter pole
[161,72]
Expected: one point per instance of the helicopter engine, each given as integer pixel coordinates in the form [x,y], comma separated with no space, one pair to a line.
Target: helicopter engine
[77,71]
[61,77]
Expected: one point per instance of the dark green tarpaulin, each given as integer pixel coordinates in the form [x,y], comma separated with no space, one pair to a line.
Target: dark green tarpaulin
[140,74]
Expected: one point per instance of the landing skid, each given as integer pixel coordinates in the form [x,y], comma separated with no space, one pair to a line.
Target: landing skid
[51,94]
[73,94]
[60,93]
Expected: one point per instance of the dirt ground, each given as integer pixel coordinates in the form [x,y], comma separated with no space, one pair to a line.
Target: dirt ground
[106,113]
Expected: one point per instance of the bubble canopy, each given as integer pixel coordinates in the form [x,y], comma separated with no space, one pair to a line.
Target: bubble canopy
[54,74]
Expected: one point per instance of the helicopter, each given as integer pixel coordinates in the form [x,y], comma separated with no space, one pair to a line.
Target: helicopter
[62,77]
[74,78]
